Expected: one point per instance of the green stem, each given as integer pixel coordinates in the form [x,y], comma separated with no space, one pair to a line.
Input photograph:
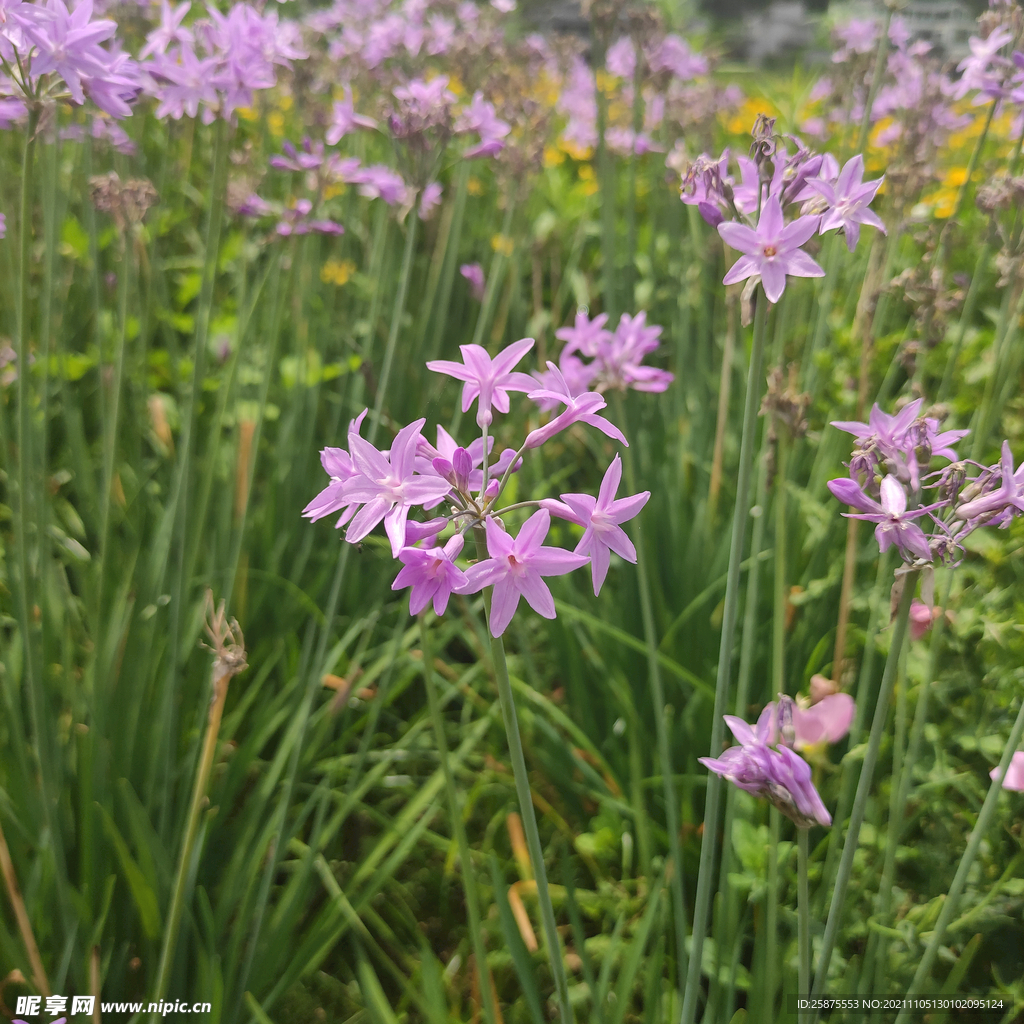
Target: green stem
[779,610]
[111,421]
[709,840]
[835,911]
[949,906]
[660,718]
[876,82]
[966,316]
[772,925]
[803,906]
[396,325]
[469,883]
[522,781]
[876,603]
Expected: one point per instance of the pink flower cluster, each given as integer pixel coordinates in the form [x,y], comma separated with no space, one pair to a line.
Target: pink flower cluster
[893,484]
[765,763]
[616,358]
[56,52]
[218,62]
[823,196]
[369,486]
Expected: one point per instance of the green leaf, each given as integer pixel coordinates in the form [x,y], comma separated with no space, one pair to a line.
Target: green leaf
[142,893]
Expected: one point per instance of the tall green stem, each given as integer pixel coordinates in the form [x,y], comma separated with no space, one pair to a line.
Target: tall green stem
[469,884]
[396,324]
[803,909]
[952,900]
[658,700]
[835,912]
[709,841]
[779,611]
[522,780]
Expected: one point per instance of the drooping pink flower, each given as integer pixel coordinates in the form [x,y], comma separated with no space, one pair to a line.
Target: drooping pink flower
[432,574]
[580,408]
[516,567]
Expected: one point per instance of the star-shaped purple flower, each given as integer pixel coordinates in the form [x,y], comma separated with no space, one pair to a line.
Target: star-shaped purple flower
[489,380]
[515,569]
[772,250]
[849,200]
[388,486]
[432,574]
[601,518]
[891,515]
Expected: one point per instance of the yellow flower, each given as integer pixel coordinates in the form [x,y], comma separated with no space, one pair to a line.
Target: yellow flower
[248,113]
[588,179]
[574,150]
[553,156]
[606,82]
[503,244]
[275,122]
[284,102]
[474,186]
[335,272]
[954,177]
[336,189]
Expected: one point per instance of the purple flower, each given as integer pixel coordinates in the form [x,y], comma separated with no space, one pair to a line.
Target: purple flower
[474,274]
[432,574]
[1008,495]
[429,199]
[170,30]
[578,409]
[388,486]
[849,201]
[66,41]
[480,117]
[576,375]
[1014,777]
[601,518]
[488,379]
[585,335]
[619,356]
[515,569]
[3,225]
[772,250]
[893,519]
[339,467]
[380,182]
[674,54]
[780,776]
[344,119]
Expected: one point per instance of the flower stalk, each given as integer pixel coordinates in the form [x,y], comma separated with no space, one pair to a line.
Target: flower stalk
[864,785]
[709,840]
[522,782]
[229,660]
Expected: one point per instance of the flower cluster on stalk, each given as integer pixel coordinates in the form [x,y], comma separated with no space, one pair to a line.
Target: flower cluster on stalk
[922,510]
[369,486]
[766,764]
[777,203]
